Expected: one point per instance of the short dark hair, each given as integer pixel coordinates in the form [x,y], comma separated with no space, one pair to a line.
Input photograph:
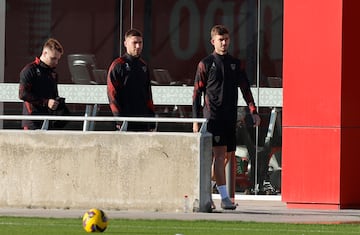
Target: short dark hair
[133,32]
[53,44]
[219,30]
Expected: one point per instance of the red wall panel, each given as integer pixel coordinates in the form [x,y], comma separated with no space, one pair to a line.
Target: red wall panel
[312,63]
[321,121]
[310,168]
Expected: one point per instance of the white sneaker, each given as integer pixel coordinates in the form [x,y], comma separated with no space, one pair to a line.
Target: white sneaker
[227,204]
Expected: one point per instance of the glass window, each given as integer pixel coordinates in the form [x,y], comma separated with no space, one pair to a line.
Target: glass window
[176,38]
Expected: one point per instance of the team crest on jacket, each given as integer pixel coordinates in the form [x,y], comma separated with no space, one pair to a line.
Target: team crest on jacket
[38,73]
[233,66]
[217,139]
[144,69]
[127,67]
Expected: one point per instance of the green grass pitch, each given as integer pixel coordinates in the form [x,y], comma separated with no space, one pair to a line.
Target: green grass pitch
[49,226]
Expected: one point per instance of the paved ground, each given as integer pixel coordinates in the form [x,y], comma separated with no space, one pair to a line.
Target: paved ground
[260,210]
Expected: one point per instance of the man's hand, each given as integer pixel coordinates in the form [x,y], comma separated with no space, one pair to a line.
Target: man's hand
[256,119]
[53,104]
[195,127]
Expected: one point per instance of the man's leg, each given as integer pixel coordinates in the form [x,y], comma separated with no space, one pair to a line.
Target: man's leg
[219,171]
[219,164]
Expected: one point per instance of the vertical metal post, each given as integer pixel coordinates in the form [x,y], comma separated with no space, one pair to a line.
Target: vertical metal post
[87,113]
[258,91]
[132,14]
[230,172]
[120,27]
[2,51]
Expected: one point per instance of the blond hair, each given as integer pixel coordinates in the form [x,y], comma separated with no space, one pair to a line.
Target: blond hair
[219,30]
[53,44]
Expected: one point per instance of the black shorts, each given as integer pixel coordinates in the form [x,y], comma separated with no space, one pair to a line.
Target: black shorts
[224,133]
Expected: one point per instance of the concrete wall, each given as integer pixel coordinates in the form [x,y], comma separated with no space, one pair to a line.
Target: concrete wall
[110,170]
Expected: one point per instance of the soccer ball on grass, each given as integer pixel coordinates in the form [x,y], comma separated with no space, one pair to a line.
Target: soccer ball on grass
[94,220]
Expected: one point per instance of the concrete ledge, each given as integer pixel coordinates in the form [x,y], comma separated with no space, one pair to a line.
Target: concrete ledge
[110,170]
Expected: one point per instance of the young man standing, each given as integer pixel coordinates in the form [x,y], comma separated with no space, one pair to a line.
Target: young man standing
[128,84]
[38,84]
[218,77]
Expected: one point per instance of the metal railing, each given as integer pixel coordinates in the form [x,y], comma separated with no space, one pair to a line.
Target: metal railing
[86,119]
[94,95]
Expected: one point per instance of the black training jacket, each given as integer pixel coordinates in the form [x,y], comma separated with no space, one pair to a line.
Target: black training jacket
[38,84]
[218,78]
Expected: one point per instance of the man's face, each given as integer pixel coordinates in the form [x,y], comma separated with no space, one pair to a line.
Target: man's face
[51,57]
[221,43]
[134,45]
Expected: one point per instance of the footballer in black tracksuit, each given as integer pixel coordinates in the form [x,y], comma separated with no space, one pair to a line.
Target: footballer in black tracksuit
[129,91]
[218,78]
[38,84]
